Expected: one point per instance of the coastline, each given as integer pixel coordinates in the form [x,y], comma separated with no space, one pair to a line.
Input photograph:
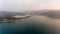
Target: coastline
[7,20]
[13,20]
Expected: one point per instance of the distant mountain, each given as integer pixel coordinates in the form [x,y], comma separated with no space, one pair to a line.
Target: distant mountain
[54,14]
[34,12]
[50,13]
[3,13]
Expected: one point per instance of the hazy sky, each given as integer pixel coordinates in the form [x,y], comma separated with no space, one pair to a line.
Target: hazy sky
[29,4]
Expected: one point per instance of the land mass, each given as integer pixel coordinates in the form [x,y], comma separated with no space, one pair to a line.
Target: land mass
[7,16]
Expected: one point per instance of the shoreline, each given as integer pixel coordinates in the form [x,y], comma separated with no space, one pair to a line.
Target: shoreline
[13,20]
[7,20]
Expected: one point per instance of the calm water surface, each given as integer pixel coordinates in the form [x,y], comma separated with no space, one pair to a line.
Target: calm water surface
[33,25]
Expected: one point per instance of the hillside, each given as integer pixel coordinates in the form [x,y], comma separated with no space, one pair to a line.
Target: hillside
[54,14]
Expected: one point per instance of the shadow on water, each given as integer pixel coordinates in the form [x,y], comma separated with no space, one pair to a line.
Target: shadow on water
[27,26]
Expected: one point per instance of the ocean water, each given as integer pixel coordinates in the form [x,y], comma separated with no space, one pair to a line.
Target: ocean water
[33,25]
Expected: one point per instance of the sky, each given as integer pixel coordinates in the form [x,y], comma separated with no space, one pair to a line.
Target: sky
[17,5]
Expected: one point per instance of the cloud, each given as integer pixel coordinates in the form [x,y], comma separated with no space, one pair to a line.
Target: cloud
[30,4]
[0,4]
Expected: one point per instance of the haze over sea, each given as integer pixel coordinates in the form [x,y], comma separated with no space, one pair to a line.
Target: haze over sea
[45,19]
[33,25]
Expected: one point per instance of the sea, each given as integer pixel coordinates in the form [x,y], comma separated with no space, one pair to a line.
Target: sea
[36,24]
